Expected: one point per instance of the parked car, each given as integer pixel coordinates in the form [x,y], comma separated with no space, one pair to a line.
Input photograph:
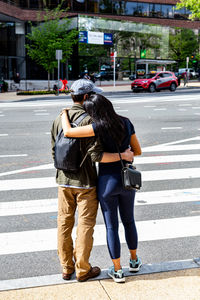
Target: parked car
[192,73]
[156,82]
[105,75]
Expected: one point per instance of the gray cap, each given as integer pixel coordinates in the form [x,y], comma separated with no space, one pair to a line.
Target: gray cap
[84,86]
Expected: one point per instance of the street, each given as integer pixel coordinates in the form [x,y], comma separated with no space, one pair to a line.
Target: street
[167,209]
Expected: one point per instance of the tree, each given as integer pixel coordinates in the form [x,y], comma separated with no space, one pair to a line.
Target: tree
[52,33]
[183,43]
[192,5]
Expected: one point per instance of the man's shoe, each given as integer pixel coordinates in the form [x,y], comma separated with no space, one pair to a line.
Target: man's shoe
[94,272]
[66,276]
[134,265]
[117,276]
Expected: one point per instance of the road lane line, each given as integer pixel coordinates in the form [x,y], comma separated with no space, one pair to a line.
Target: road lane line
[166,148]
[39,206]
[166,159]
[3,134]
[171,128]
[49,182]
[37,168]
[46,239]
[13,155]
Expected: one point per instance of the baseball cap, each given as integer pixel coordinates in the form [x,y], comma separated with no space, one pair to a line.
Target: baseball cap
[84,86]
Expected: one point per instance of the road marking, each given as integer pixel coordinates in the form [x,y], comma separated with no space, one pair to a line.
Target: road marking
[3,134]
[160,109]
[197,107]
[39,110]
[172,146]
[182,109]
[48,133]
[2,115]
[170,128]
[149,106]
[13,155]
[197,114]
[48,182]
[26,207]
[121,110]
[166,159]
[41,114]
[46,239]
[37,168]
[185,104]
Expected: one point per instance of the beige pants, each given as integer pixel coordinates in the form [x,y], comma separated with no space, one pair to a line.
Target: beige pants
[86,201]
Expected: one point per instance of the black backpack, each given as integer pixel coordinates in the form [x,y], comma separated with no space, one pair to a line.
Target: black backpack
[67,150]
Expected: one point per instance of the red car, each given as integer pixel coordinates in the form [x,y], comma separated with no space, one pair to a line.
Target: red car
[156,82]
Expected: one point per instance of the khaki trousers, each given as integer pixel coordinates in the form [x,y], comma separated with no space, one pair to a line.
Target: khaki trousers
[86,201]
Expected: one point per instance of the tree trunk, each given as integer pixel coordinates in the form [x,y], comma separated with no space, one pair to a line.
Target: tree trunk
[48,80]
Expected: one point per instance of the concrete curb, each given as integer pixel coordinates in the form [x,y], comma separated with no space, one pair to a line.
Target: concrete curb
[30,282]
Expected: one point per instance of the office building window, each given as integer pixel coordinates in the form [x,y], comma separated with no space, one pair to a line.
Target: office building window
[79,5]
[118,7]
[180,14]
[143,9]
[155,10]
[131,9]
[93,6]
[105,6]
[167,11]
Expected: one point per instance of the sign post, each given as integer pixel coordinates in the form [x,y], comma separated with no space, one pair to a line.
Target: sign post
[58,57]
[187,71]
[113,56]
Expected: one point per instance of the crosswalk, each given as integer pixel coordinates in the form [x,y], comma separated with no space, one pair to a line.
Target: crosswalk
[170,162]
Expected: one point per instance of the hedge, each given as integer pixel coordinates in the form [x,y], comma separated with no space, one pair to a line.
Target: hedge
[28,93]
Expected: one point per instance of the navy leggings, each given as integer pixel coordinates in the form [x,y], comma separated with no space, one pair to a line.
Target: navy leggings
[112,197]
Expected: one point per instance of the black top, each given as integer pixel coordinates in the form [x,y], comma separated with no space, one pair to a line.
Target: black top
[110,146]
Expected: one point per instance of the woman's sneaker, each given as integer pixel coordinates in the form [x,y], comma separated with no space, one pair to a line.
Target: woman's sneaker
[117,276]
[134,265]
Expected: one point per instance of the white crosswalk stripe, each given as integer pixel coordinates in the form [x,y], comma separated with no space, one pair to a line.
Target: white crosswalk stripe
[39,240]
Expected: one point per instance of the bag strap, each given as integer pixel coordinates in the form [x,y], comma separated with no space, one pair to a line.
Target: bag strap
[120,157]
[77,122]
[80,118]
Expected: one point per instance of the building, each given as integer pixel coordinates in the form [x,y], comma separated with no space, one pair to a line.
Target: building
[140,29]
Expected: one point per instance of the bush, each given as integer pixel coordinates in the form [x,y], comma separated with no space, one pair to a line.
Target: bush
[29,93]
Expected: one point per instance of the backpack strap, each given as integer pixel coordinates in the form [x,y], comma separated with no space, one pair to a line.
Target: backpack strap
[77,122]
[80,118]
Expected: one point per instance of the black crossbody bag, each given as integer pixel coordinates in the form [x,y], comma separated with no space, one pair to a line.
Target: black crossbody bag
[131,178]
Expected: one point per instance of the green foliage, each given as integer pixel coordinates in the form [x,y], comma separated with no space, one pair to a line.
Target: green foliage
[183,43]
[192,5]
[29,93]
[52,33]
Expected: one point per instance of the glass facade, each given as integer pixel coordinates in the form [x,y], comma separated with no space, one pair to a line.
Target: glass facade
[112,7]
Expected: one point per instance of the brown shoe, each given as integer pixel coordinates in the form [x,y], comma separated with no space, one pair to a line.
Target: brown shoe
[66,276]
[94,272]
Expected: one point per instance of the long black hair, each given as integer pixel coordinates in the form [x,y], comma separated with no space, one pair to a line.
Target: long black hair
[105,118]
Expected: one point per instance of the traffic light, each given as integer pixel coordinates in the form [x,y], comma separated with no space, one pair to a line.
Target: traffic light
[143,53]
[193,58]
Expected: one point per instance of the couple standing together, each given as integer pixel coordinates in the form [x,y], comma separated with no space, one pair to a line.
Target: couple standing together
[102,134]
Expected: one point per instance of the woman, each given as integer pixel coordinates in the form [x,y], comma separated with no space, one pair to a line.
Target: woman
[115,132]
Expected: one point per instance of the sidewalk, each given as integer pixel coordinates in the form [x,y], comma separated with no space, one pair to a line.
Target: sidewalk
[11,96]
[176,285]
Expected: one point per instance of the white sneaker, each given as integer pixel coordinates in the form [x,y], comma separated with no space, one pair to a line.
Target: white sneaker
[117,276]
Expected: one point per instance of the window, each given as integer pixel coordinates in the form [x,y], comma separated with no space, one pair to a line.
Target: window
[155,10]
[79,5]
[105,6]
[93,6]
[118,7]
[131,9]
[167,75]
[143,9]
[167,11]
[180,14]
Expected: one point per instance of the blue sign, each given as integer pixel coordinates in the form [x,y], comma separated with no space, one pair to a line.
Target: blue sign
[108,38]
[83,37]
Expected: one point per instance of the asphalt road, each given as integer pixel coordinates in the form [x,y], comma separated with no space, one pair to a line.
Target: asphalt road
[167,209]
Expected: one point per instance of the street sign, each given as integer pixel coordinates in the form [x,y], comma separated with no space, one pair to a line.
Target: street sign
[58,54]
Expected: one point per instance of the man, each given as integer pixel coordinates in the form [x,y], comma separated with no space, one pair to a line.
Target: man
[79,190]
